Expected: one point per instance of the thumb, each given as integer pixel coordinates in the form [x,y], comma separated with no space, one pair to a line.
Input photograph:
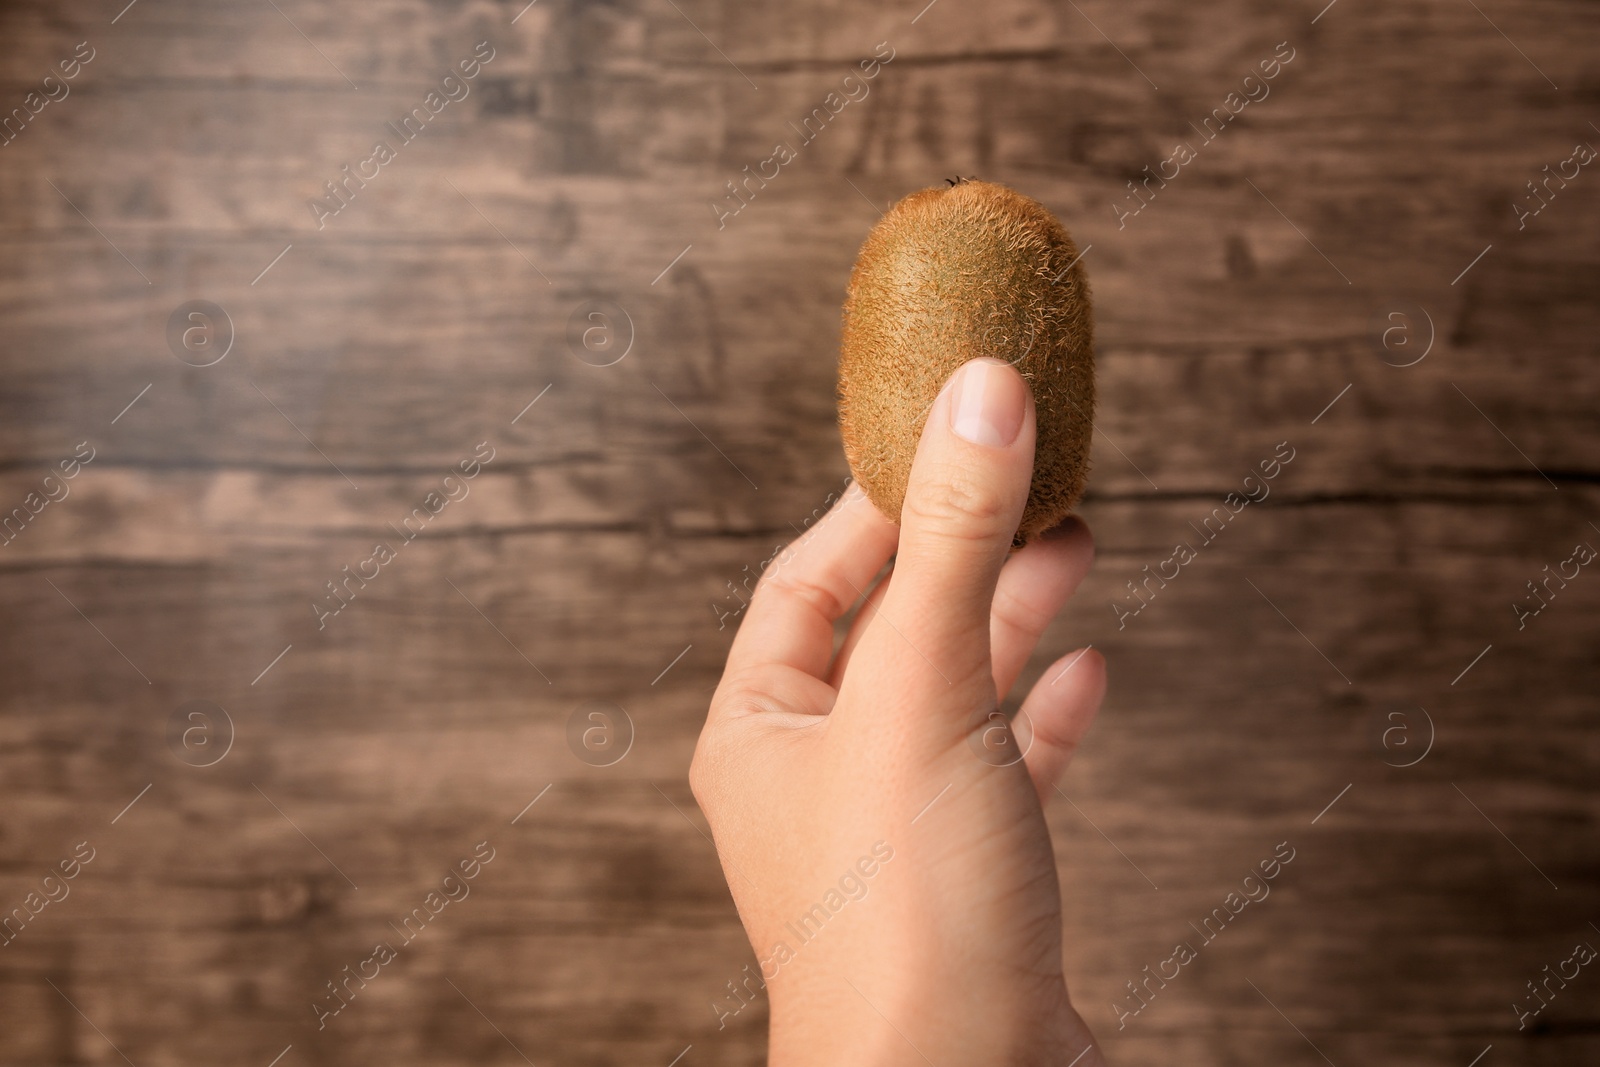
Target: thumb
[969,483]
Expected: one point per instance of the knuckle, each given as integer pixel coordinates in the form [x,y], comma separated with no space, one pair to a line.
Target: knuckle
[961,505]
[743,699]
[1021,614]
[824,601]
[701,774]
[717,753]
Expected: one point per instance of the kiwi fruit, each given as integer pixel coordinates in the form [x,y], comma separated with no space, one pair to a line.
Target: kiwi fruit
[947,275]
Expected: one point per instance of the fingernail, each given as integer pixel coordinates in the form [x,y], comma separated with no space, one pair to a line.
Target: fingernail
[987,403]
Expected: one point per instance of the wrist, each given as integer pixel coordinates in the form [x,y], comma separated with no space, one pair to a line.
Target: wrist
[915,1021]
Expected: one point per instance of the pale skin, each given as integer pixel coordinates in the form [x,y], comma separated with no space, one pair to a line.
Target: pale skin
[951,952]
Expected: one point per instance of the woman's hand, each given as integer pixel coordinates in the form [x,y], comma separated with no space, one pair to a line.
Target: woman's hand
[882,830]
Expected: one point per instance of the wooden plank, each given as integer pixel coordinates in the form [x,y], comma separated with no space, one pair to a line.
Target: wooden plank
[626,507]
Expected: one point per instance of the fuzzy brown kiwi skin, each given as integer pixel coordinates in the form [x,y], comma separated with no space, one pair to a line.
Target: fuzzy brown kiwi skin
[948,275]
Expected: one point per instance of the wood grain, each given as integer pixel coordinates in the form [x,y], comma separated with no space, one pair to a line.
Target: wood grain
[620,509]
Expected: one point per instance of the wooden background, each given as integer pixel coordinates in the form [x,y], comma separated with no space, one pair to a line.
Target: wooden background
[593,550]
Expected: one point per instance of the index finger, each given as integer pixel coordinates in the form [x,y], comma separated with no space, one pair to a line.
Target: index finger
[811,583]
